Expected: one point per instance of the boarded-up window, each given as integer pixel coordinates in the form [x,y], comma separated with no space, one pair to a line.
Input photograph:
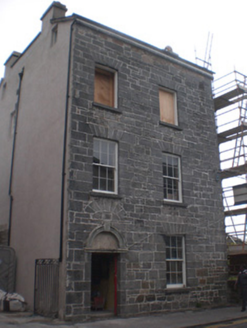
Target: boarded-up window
[167,107]
[104,87]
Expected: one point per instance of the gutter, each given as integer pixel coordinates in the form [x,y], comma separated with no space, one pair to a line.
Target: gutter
[65,148]
[13,155]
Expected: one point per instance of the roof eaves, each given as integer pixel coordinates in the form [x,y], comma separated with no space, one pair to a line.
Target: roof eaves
[141,44]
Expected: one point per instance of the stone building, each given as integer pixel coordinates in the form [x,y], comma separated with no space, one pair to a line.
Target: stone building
[109,174]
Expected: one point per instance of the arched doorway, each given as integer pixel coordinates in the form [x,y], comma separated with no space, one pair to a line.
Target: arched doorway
[106,244]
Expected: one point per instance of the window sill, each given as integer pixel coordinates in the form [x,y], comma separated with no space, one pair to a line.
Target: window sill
[176,204]
[179,290]
[111,109]
[176,127]
[105,195]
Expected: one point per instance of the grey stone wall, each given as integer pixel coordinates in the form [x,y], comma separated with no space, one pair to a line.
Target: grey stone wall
[139,212]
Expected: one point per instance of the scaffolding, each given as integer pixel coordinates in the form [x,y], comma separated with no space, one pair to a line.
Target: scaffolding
[230,102]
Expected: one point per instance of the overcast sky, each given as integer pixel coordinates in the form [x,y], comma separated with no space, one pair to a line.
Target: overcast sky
[182,24]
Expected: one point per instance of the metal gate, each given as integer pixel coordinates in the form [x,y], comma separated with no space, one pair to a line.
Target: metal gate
[46,287]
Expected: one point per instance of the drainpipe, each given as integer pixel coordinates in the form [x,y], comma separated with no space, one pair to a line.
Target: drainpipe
[65,148]
[13,154]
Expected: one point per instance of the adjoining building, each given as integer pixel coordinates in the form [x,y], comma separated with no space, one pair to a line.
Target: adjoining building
[109,191]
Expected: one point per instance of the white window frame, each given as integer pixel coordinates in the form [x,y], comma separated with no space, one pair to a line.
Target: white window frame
[178,179]
[115,83]
[107,165]
[174,94]
[176,259]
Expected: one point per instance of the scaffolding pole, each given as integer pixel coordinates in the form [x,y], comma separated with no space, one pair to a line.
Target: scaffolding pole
[230,102]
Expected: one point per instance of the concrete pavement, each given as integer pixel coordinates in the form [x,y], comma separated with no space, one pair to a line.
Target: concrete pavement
[185,319]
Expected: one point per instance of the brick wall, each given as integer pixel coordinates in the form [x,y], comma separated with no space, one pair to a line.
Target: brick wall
[139,213]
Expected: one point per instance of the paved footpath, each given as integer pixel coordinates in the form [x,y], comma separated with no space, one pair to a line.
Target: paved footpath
[185,319]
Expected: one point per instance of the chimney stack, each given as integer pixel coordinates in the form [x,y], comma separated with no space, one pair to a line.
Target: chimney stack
[56,10]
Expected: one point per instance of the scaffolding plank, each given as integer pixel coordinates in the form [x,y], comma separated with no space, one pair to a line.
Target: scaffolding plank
[234,171]
[237,249]
[225,99]
[222,140]
[239,211]
[220,102]
[232,134]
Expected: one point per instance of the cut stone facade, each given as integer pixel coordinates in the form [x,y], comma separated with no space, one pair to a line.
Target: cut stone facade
[138,212]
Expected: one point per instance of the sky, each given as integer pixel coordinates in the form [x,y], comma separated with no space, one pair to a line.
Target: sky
[193,28]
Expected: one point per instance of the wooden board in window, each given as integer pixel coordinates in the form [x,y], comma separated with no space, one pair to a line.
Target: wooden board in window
[104,87]
[167,107]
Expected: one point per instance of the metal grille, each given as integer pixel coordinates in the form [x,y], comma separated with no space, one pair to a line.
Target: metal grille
[46,287]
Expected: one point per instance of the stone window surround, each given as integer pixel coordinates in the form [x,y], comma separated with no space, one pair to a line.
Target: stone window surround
[115,87]
[169,112]
[115,170]
[104,107]
[182,260]
[179,179]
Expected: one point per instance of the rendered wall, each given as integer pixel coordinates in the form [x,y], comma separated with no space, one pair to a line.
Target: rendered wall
[139,213]
[37,173]
[7,111]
